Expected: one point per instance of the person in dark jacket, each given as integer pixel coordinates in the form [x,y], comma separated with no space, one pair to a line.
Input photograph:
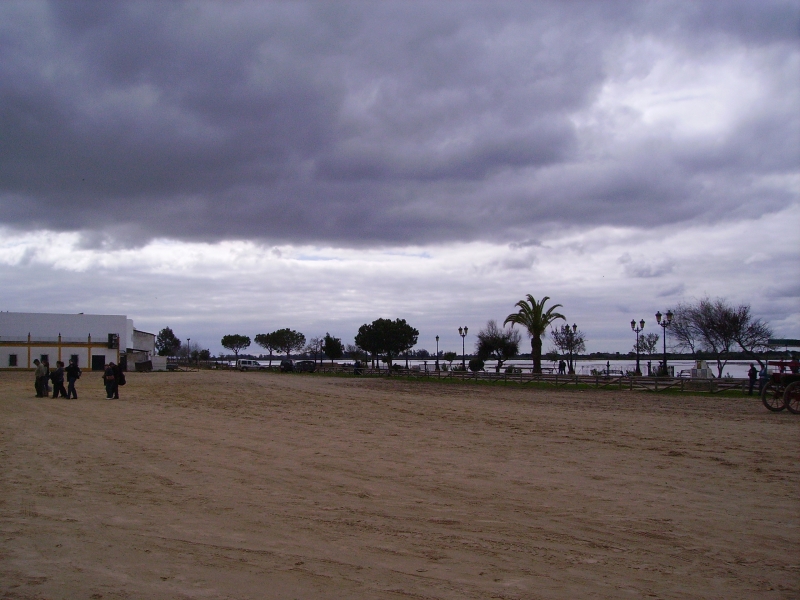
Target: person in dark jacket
[73,374]
[752,374]
[763,378]
[57,377]
[110,381]
[117,379]
[46,380]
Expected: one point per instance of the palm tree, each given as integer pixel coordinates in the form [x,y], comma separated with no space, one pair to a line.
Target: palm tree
[532,316]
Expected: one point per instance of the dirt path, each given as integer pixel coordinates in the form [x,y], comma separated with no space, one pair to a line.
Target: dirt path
[255,485]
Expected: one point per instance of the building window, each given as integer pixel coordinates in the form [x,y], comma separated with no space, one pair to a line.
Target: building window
[45,358]
[74,358]
[12,360]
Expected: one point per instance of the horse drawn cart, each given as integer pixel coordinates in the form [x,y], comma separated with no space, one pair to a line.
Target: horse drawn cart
[782,390]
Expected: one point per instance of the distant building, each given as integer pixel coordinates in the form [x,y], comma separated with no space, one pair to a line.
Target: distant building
[93,340]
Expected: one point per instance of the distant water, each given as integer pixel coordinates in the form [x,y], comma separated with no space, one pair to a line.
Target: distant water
[736,368]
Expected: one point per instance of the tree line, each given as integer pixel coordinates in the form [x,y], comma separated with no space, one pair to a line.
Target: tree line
[706,327]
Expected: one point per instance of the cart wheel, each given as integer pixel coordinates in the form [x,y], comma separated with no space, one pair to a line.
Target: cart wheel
[772,397]
[791,397]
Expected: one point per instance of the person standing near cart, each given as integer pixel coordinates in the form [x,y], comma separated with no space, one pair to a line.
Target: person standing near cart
[753,375]
[763,378]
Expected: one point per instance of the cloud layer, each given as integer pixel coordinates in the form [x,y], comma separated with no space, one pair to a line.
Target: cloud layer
[356,124]
[603,277]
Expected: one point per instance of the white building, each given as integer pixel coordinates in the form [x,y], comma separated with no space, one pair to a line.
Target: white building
[93,340]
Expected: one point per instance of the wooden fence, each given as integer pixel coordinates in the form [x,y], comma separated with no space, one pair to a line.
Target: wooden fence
[614,382]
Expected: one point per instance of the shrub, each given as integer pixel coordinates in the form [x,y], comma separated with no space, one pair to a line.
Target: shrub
[475,365]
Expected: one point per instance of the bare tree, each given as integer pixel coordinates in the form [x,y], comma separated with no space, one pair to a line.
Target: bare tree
[571,341]
[716,327]
[752,335]
[648,343]
[314,347]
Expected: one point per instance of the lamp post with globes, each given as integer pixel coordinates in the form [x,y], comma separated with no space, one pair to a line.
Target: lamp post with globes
[462,331]
[666,322]
[569,334]
[437,352]
[637,330]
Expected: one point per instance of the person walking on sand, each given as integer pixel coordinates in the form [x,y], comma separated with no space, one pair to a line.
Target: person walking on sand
[119,379]
[73,374]
[39,378]
[58,380]
[46,391]
[752,374]
[110,381]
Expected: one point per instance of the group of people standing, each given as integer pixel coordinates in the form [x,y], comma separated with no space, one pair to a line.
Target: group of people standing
[44,377]
[113,377]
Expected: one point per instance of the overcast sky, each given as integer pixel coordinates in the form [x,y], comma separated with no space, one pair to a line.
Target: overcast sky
[241,167]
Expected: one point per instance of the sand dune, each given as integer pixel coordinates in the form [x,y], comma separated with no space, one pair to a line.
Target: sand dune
[258,485]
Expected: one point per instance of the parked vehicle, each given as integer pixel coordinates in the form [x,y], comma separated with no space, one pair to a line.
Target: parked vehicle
[287,365]
[245,364]
[308,366]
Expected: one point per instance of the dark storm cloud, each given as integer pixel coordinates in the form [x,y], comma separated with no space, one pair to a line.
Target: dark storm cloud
[369,123]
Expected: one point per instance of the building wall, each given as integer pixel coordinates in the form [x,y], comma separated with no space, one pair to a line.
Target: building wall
[143,341]
[55,352]
[29,335]
[48,326]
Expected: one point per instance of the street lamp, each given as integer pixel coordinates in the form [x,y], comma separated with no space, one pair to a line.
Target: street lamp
[437,352]
[462,331]
[569,338]
[664,324]
[637,330]
[188,350]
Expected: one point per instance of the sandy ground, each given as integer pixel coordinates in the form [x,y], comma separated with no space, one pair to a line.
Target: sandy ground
[256,485]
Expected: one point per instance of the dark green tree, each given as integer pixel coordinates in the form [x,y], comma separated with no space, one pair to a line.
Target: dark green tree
[288,340]
[166,342]
[450,357]
[366,340]
[497,343]
[475,364]
[388,338]
[535,319]
[268,342]
[235,343]
[332,347]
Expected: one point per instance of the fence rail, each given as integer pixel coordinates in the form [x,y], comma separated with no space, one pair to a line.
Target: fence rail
[618,382]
